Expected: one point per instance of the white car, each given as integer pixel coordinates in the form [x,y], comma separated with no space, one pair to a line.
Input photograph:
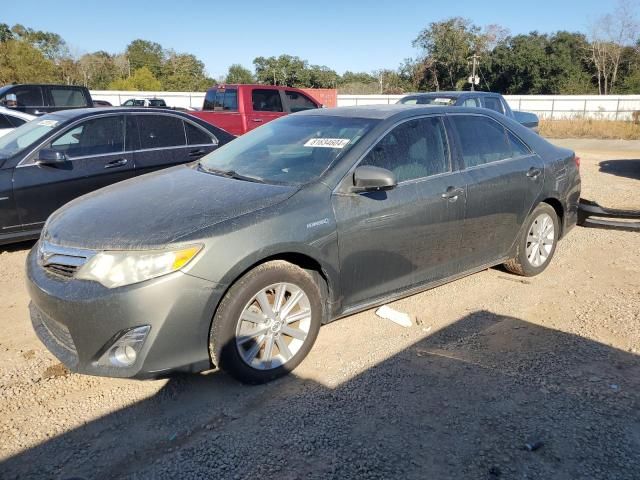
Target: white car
[10,119]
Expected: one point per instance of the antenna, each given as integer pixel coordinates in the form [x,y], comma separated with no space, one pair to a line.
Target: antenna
[474,79]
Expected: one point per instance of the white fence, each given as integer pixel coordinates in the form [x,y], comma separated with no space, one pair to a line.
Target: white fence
[610,107]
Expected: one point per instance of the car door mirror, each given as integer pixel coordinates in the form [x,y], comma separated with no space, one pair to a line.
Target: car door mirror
[49,156]
[368,178]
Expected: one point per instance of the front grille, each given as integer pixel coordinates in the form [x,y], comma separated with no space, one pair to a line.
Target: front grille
[62,261]
[63,270]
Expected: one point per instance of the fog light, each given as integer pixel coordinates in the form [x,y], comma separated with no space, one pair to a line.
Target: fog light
[124,351]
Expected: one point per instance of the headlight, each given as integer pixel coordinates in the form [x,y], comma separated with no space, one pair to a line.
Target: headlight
[118,268]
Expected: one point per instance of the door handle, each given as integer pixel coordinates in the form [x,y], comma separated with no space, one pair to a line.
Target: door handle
[534,173]
[452,193]
[258,120]
[121,162]
[197,153]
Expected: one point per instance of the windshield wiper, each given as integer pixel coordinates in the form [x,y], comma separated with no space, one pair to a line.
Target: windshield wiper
[230,174]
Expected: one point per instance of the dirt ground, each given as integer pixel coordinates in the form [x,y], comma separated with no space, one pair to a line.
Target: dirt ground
[500,377]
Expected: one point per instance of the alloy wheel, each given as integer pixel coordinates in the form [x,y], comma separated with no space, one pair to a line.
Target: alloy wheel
[540,240]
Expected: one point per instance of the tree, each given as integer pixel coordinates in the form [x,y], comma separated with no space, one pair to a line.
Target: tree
[97,70]
[321,76]
[447,46]
[143,53]
[184,72]
[609,35]
[238,74]
[20,62]
[285,70]
[50,44]
[142,79]
[5,32]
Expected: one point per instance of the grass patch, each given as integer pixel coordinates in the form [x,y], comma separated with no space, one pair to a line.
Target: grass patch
[590,128]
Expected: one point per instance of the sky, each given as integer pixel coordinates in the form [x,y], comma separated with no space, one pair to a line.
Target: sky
[344,35]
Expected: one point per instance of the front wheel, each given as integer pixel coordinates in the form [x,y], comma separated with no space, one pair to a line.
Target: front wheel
[537,244]
[266,323]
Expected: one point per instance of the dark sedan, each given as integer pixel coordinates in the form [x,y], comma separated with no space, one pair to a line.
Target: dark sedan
[490,100]
[237,260]
[60,156]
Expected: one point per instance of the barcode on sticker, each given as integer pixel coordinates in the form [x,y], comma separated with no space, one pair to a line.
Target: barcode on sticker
[327,142]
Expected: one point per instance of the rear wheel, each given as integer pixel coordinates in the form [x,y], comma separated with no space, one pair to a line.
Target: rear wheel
[537,244]
[267,322]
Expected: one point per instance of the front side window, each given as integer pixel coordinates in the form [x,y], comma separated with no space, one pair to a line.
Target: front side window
[221,99]
[128,103]
[414,149]
[98,136]
[482,140]
[292,150]
[266,100]
[160,131]
[157,102]
[493,103]
[299,102]
[67,97]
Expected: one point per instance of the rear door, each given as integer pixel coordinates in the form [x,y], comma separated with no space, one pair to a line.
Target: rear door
[167,140]
[95,150]
[503,177]
[266,104]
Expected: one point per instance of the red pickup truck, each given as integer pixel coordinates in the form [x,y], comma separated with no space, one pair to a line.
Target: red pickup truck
[240,108]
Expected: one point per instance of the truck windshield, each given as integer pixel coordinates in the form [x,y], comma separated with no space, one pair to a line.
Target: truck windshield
[292,150]
[26,135]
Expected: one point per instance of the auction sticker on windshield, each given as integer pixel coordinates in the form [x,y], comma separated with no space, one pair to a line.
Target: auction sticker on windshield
[327,142]
[48,123]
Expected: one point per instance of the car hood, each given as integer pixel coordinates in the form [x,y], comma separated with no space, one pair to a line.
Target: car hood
[157,209]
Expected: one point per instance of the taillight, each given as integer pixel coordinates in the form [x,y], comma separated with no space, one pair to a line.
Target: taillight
[577,160]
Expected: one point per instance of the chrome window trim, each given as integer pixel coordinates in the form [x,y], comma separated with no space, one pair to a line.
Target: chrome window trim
[23,162]
[441,116]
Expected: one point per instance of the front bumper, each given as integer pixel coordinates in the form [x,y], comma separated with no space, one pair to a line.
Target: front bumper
[592,215]
[77,320]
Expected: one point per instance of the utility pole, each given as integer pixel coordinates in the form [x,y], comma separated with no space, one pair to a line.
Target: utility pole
[473,79]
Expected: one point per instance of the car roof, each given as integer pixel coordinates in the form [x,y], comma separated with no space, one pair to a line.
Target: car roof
[87,112]
[381,112]
[455,94]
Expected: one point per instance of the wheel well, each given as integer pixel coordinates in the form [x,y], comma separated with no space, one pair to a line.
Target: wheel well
[557,206]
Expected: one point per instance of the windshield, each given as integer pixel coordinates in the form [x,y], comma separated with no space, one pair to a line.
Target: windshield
[26,135]
[428,100]
[292,150]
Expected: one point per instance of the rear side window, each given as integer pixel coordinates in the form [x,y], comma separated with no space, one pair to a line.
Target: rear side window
[414,149]
[196,136]
[299,102]
[160,131]
[157,102]
[28,96]
[482,140]
[266,100]
[221,99]
[97,136]
[67,97]
[493,103]
[518,148]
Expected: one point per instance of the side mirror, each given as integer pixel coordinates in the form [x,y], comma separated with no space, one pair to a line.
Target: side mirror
[370,179]
[49,156]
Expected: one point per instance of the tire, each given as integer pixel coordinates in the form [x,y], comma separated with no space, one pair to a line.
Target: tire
[527,262]
[253,337]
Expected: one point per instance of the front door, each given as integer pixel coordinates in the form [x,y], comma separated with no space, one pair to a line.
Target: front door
[96,158]
[266,105]
[390,241]
[503,180]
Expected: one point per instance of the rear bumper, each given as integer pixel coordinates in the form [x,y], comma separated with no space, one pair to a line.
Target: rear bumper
[592,215]
[78,320]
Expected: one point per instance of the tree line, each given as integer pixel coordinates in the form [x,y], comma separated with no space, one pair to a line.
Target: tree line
[607,60]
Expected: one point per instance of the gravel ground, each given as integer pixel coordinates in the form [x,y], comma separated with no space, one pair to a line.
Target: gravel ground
[500,377]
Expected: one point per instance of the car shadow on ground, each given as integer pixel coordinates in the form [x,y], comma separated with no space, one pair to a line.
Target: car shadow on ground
[16,247]
[628,168]
[487,397]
